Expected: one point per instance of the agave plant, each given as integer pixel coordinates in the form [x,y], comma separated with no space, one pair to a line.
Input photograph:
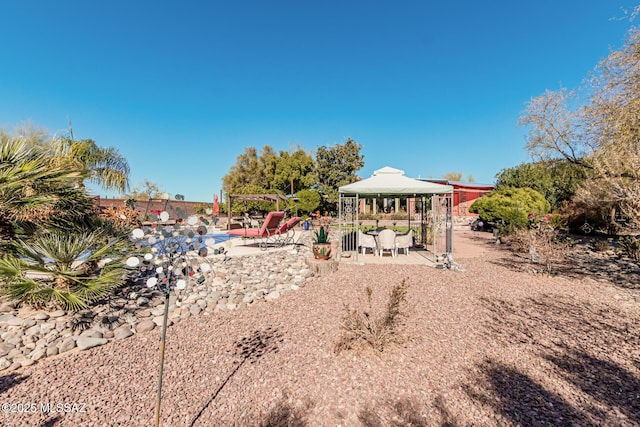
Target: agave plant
[67,268]
[321,236]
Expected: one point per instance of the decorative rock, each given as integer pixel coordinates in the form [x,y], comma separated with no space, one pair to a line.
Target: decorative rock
[16,352]
[273,295]
[159,319]
[7,307]
[143,313]
[57,313]
[67,345]
[85,343]
[27,362]
[37,354]
[122,333]
[4,318]
[5,348]
[16,321]
[91,333]
[4,363]
[145,325]
[158,311]
[35,329]
[238,283]
[41,316]
[45,328]
[27,323]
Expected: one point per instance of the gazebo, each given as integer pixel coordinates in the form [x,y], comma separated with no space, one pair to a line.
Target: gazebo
[391,182]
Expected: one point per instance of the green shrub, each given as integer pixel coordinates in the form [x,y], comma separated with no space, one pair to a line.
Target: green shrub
[308,200]
[510,206]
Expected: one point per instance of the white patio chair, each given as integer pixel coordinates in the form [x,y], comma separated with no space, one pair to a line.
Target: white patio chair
[366,241]
[387,241]
[404,241]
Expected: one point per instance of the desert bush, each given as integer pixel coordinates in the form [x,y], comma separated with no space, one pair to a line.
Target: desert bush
[589,208]
[599,245]
[630,246]
[544,245]
[364,328]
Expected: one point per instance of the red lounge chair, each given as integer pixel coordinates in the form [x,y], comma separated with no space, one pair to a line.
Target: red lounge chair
[266,234]
[286,232]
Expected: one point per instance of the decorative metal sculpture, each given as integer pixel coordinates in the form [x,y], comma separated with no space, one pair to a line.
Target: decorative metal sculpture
[170,256]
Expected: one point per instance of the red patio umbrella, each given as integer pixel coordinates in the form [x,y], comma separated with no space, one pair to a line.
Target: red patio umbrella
[216,206]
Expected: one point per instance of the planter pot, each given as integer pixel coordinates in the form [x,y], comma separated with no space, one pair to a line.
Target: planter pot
[322,250]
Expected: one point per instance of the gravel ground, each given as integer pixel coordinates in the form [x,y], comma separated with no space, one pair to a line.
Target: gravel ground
[490,345]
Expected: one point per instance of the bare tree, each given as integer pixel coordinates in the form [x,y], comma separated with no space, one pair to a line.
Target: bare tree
[600,132]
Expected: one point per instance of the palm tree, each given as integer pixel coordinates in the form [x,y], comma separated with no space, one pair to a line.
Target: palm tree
[28,181]
[70,268]
[104,166]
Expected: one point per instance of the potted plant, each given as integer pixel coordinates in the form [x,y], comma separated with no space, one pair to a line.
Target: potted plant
[321,245]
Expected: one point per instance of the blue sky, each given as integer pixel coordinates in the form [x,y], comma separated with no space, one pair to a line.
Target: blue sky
[180,88]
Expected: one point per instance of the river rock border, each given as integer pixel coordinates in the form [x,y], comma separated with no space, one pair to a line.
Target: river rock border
[27,336]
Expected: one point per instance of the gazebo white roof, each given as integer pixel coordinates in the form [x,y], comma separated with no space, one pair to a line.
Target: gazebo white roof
[392,182]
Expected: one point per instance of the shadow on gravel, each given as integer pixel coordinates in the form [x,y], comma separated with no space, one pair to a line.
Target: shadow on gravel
[609,384]
[286,415]
[52,422]
[592,350]
[10,380]
[405,412]
[580,263]
[559,322]
[520,399]
[248,349]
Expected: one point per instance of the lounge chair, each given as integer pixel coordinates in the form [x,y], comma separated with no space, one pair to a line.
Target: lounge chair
[286,232]
[366,241]
[387,241]
[266,234]
[404,241]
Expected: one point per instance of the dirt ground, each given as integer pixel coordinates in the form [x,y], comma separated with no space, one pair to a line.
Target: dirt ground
[488,345]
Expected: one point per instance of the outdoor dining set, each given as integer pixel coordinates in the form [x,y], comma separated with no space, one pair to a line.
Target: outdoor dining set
[381,240]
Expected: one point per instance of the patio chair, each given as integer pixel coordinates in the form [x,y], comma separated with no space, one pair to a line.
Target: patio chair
[266,234]
[404,241]
[387,241]
[366,241]
[286,232]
